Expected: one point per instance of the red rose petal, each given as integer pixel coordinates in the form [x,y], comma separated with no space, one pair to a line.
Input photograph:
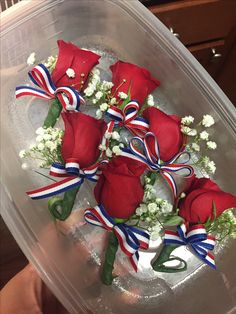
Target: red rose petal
[119,188]
[81,61]
[138,80]
[167,131]
[83,134]
[202,206]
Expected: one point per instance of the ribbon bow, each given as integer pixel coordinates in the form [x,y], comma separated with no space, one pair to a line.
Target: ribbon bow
[152,159]
[40,76]
[74,177]
[130,238]
[127,117]
[197,238]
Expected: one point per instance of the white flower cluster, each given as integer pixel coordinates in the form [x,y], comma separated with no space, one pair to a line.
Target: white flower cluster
[93,82]
[150,101]
[152,214]
[199,137]
[153,211]
[99,93]
[122,95]
[31,59]
[207,165]
[187,120]
[188,131]
[114,144]
[47,148]
[51,63]
[70,73]
[208,121]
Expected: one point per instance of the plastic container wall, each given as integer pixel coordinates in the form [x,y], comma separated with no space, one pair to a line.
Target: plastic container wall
[130,32]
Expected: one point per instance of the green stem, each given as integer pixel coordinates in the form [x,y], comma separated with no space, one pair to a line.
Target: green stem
[110,255]
[53,113]
[61,208]
[164,256]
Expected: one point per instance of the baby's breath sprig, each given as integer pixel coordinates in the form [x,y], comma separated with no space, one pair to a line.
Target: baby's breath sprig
[51,63]
[149,102]
[99,93]
[224,226]
[154,213]
[115,144]
[47,148]
[199,138]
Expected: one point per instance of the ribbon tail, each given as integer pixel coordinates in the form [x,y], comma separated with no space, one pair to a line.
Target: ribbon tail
[171,182]
[134,261]
[55,188]
[207,258]
[30,91]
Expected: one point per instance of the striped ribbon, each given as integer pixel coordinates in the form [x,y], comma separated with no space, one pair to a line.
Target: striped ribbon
[153,161]
[40,76]
[74,177]
[130,238]
[127,117]
[196,238]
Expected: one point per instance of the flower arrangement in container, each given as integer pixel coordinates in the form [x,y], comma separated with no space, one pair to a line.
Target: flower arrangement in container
[127,147]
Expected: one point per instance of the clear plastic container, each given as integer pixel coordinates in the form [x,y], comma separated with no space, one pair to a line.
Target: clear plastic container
[127,30]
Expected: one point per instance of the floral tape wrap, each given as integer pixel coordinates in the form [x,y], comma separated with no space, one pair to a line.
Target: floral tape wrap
[130,238]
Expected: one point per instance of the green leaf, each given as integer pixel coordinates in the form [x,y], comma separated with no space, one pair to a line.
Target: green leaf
[208,223]
[120,220]
[173,221]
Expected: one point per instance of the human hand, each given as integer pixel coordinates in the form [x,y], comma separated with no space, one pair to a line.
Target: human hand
[27,294]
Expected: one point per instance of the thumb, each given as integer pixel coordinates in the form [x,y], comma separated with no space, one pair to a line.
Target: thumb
[22,294]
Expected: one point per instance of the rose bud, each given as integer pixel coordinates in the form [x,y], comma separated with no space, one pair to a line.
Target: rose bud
[167,131]
[119,188]
[83,135]
[204,200]
[79,60]
[128,77]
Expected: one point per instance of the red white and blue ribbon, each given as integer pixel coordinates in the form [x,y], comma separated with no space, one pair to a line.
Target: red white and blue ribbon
[74,177]
[130,238]
[196,238]
[127,117]
[152,159]
[40,76]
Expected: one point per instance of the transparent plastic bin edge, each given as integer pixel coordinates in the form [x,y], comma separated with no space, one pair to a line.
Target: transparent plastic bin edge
[20,228]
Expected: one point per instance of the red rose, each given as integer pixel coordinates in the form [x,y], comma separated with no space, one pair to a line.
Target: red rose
[167,131]
[197,206]
[81,61]
[138,80]
[119,188]
[83,134]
